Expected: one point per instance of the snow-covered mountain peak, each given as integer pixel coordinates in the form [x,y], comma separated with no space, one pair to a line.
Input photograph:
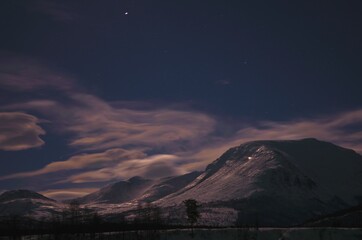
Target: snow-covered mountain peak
[244,153]
[307,167]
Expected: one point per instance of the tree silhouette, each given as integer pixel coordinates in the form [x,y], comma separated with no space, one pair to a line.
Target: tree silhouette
[192,211]
[75,212]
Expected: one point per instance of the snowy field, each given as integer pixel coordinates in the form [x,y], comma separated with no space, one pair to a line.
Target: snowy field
[219,234]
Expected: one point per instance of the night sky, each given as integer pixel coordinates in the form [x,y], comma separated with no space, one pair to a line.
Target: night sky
[92,92]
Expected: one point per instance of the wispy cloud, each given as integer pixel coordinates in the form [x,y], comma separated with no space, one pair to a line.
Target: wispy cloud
[19,131]
[81,161]
[155,166]
[97,125]
[118,140]
[111,135]
[27,74]
[344,129]
[157,127]
[111,164]
[67,193]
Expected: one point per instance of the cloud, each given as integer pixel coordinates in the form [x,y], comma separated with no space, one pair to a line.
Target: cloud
[95,124]
[103,131]
[26,74]
[155,166]
[111,164]
[67,193]
[122,139]
[344,129]
[113,126]
[19,131]
[98,125]
[82,161]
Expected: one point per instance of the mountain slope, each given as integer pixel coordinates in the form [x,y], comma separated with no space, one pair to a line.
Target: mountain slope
[350,217]
[166,186]
[139,189]
[119,192]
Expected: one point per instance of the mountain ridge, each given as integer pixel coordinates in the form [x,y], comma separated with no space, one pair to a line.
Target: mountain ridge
[292,172]
[119,192]
[20,194]
[283,182]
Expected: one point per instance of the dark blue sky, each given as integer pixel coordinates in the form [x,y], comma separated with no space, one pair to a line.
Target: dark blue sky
[248,67]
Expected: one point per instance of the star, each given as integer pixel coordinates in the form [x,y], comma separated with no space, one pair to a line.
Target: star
[126,13]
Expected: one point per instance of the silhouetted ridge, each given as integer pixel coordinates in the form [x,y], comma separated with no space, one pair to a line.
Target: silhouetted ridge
[20,194]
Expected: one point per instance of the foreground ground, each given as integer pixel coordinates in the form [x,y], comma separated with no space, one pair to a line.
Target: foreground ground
[217,234]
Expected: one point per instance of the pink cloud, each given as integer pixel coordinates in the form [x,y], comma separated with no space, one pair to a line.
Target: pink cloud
[330,128]
[155,166]
[98,125]
[67,193]
[82,161]
[26,74]
[19,131]
[118,133]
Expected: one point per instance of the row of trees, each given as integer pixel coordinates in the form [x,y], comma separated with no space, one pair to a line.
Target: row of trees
[77,219]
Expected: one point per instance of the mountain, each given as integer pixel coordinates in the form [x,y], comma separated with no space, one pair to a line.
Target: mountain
[272,183]
[21,194]
[278,182]
[139,189]
[119,192]
[27,203]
